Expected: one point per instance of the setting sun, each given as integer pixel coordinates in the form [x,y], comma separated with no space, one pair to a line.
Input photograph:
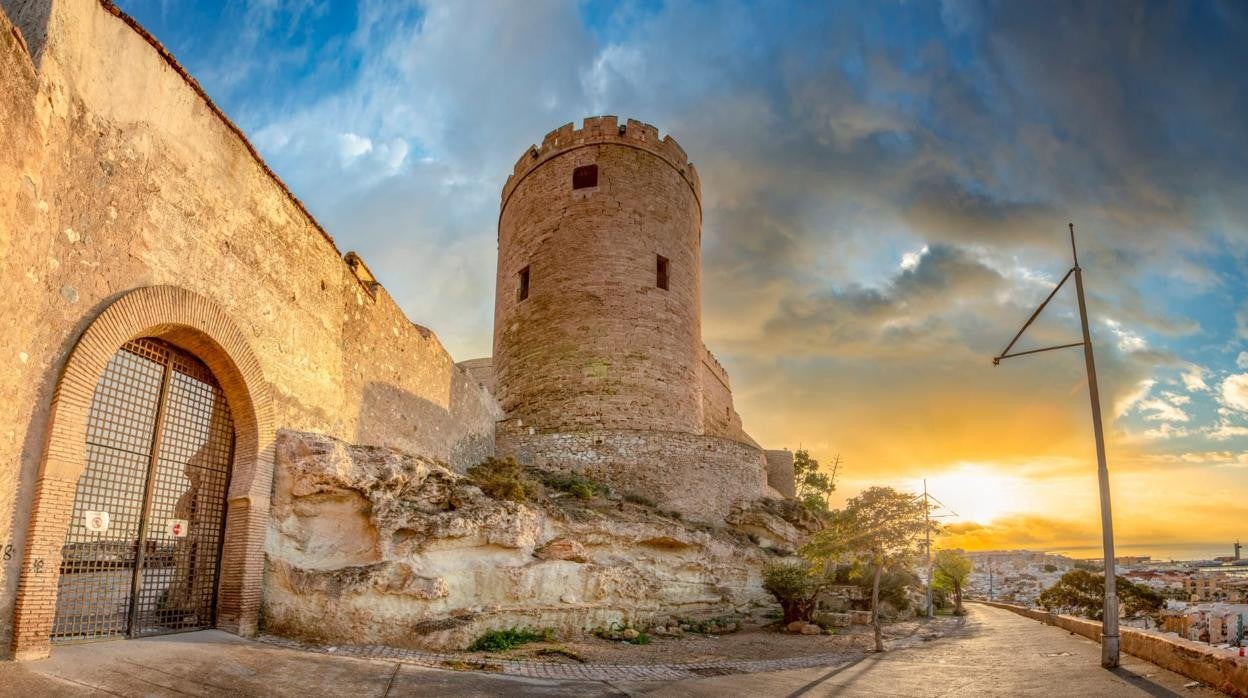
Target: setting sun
[977,493]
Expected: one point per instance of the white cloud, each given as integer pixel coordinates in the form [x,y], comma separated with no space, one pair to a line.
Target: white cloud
[1217,459]
[1235,391]
[1157,410]
[352,146]
[1128,341]
[1194,378]
[1176,398]
[1131,399]
[1242,360]
[1225,430]
[910,260]
[1166,430]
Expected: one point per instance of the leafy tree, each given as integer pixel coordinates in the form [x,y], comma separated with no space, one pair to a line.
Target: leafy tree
[1083,592]
[950,571]
[813,487]
[877,529]
[795,585]
[895,581]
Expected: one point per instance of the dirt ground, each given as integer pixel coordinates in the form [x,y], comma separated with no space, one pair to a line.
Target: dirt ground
[747,644]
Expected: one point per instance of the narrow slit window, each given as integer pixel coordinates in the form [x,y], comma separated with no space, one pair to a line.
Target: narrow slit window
[585,176]
[660,275]
[522,285]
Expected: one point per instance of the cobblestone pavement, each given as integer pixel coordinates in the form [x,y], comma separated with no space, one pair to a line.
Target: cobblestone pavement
[995,653]
[591,672]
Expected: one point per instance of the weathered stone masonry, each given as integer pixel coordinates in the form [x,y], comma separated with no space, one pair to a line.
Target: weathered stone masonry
[599,363]
[114,181]
[131,207]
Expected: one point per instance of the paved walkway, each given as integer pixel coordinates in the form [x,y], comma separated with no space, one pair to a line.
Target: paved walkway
[995,653]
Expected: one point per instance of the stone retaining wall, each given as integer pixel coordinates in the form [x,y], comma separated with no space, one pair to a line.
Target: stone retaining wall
[1210,666]
[714,473]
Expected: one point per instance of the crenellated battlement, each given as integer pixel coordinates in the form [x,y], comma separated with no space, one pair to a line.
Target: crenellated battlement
[715,367]
[597,130]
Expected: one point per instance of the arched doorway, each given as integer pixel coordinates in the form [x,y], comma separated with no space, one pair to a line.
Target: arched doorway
[202,329]
[142,549]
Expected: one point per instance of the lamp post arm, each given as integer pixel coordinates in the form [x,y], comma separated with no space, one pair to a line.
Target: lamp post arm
[1034,315]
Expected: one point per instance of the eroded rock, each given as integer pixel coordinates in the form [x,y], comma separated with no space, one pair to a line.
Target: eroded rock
[375,546]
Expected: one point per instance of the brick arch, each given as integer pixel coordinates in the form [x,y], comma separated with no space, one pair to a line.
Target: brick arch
[199,325]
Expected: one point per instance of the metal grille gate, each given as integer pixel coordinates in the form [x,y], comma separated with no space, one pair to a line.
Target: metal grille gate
[142,552]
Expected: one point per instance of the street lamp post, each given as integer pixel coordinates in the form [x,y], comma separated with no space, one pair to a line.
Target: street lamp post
[1109,627]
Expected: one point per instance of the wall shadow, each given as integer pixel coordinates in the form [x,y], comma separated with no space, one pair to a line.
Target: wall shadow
[460,435]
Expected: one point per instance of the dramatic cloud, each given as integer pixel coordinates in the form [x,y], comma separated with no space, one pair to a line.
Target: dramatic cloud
[886,193]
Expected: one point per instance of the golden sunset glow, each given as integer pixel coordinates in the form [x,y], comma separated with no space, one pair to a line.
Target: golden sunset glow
[976,493]
[880,211]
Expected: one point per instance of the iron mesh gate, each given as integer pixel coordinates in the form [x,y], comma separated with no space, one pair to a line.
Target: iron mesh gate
[142,552]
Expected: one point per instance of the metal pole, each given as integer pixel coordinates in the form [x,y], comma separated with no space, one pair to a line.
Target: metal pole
[927,534]
[1109,627]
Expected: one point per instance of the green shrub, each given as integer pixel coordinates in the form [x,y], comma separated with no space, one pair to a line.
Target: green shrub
[577,485]
[795,585]
[505,479]
[503,640]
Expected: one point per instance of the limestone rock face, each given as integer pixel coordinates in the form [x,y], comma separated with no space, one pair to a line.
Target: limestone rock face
[375,546]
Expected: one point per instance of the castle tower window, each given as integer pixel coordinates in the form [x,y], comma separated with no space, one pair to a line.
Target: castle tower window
[585,176]
[522,287]
[660,276]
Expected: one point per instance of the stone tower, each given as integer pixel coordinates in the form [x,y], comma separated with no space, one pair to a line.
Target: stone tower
[597,320]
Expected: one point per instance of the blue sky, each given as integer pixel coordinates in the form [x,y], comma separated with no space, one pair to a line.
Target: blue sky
[886,192]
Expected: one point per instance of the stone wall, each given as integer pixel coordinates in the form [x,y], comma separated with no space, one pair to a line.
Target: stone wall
[113,179]
[597,344]
[376,546]
[1208,665]
[719,418]
[701,476]
[780,471]
[482,371]
[597,367]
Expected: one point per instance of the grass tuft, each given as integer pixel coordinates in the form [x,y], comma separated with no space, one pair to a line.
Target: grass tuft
[503,640]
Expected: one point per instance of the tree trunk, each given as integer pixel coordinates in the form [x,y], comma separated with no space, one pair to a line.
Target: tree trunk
[957,598]
[797,609]
[875,605]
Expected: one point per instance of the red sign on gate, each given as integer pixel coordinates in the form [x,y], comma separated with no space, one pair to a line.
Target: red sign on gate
[176,528]
[96,521]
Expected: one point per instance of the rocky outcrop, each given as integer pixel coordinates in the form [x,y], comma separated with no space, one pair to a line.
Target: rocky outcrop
[375,546]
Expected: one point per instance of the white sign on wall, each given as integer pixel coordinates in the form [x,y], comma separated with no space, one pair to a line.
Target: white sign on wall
[96,521]
[176,528]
